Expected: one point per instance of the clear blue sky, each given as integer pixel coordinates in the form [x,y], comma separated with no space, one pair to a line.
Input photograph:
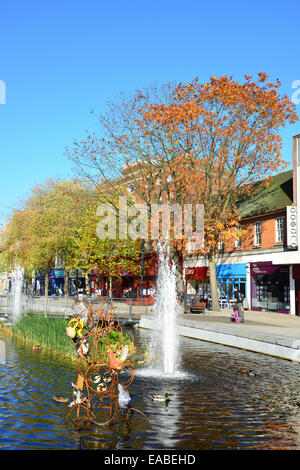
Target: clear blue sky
[60,59]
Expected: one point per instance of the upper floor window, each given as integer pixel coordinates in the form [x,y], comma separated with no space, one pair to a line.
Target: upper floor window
[238,240]
[221,246]
[279,229]
[131,188]
[257,233]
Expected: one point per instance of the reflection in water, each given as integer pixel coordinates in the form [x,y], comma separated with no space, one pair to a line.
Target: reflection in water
[213,405]
[159,413]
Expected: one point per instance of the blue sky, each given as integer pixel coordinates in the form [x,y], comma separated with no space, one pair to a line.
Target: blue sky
[60,59]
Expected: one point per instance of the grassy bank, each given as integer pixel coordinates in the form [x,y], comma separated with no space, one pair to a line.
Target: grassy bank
[49,333]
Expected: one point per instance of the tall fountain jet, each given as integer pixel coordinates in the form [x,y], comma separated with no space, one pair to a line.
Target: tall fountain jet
[166,310]
[17,294]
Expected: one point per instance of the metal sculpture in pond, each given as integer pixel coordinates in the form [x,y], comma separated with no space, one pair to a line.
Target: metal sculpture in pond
[105,370]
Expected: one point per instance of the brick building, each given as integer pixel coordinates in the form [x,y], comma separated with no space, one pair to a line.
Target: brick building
[263,259]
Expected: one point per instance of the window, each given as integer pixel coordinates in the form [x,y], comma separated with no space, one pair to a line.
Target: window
[257,233]
[221,246]
[279,229]
[238,240]
[131,188]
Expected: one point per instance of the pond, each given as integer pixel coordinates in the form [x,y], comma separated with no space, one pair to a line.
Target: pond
[213,405]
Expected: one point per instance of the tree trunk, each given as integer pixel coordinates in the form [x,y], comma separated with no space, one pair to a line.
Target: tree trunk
[110,289]
[67,283]
[87,285]
[33,282]
[46,283]
[213,283]
[178,272]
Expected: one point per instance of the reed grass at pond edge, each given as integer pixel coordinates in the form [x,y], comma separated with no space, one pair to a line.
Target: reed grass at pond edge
[49,333]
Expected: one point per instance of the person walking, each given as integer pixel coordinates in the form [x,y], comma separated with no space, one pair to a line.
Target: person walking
[239,303]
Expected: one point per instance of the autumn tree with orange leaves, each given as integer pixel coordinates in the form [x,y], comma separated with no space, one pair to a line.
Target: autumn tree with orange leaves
[191,143]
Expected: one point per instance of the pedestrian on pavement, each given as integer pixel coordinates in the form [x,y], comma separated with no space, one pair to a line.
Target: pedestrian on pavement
[130,293]
[239,303]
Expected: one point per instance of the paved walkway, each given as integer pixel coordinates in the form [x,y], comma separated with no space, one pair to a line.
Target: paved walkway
[263,322]
[269,333]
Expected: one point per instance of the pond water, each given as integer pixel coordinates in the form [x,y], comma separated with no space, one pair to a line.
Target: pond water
[213,406]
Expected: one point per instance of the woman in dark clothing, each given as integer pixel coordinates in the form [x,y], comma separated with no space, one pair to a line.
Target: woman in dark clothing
[239,303]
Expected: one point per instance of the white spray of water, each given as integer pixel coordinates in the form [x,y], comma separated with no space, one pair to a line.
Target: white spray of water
[166,310]
[17,294]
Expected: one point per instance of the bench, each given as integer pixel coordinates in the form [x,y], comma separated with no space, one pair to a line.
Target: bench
[198,307]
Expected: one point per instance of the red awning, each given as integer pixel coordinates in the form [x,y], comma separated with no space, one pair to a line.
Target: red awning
[197,273]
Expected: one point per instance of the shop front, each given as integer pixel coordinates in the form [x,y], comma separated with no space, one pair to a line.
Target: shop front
[77,282]
[128,281]
[39,284]
[296,277]
[56,282]
[270,287]
[121,287]
[98,283]
[197,281]
[228,276]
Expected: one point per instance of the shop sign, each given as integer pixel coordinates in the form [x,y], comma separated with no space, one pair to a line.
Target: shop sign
[291,225]
[197,273]
[189,271]
[263,268]
[58,273]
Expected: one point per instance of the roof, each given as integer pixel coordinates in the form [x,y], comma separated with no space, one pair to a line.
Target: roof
[266,199]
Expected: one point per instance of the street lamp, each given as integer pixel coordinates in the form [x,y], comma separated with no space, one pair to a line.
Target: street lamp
[142,271]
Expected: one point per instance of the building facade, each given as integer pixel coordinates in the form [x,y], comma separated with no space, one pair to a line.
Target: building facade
[261,259]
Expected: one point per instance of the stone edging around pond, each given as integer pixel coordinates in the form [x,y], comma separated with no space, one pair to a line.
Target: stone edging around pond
[272,345]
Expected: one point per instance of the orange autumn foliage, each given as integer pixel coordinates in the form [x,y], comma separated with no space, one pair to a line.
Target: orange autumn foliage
[193,143]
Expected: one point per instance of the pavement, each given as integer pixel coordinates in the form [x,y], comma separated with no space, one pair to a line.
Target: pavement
[261,322]
[275,334]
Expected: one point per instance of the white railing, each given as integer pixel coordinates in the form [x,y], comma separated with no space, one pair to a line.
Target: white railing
[60,305]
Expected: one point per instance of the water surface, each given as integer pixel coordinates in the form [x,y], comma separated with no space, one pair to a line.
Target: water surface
[213,406]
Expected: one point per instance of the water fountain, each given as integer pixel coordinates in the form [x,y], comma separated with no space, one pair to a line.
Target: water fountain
[165,338]
[166,310]
[17,294]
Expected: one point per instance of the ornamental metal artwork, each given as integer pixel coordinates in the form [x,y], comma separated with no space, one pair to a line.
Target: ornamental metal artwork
[105,370]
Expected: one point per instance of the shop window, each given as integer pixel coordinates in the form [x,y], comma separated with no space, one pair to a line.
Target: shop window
[242,286]
[279,229]
[271,292]
[257,233]
[238,240]
[230,289]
